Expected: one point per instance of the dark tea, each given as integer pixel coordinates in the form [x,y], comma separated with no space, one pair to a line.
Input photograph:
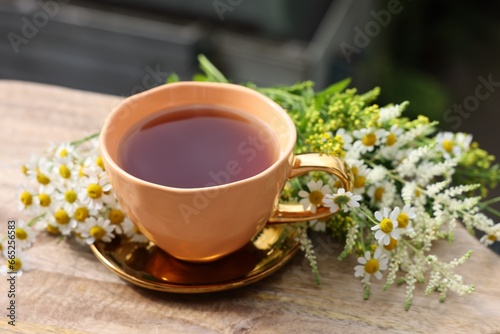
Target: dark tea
[198,146]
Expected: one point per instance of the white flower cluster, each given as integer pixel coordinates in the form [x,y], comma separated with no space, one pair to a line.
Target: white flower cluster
[403,194]
[69,194]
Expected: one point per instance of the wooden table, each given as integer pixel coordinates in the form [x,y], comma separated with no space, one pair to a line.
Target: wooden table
[68,290]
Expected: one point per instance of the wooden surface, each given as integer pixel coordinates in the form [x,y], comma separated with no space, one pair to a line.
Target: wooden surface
[68,290]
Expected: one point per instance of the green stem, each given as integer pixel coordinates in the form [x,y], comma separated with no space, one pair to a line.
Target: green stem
[477,174]
[85,139]
[368,216]
[491,201]
[493,211]
[36,219]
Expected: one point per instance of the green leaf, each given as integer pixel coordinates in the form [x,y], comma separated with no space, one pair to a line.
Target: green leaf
[332,89]
[200,77]
[213,74]
[172,78]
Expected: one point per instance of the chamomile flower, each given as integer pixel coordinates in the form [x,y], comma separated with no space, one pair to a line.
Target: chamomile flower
[404,216]
[346,138]
[393,135]
[94,188]
[26,199]
[491,236]
[41,172]
[65,153]
[67,197]
[64,222]
[369,138]
[387,226]
[25,234]
[96,230]
[451,145]
[123,225]
[17,263]
[44,201]
[342,200]
[360,173]
[137,236]
[313,198]
[382,193]
[371,266]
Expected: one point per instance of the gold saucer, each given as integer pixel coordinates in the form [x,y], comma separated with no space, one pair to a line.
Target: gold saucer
[146,265]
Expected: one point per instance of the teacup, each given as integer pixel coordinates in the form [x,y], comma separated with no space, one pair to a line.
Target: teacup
[203,224]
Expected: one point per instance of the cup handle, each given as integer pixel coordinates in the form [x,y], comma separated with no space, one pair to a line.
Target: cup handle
[305,163]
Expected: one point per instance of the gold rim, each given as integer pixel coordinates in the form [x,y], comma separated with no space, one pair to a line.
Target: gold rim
[147,266]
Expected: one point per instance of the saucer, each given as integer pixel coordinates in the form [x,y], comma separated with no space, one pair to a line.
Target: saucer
[146,265]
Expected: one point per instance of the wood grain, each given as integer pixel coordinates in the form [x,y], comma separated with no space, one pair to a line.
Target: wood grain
[69,291]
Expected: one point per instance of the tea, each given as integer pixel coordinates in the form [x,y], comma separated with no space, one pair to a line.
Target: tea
[198,146]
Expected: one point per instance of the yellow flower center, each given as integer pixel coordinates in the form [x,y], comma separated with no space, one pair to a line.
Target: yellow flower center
[44,199]
[16,265]
[392,244]
[315,197]
[97,232]
[386,225]
[94,191]
[99,162]
[52,229]
[369,139]
[64,171]
[80,172]
[26,198]
[417,193]
[81,214]
[24,169]
[492,237]
[359,181]
[42,178]
[391,139]
[63,153]
[379,192]
[372,266]
[116,216]
[21,233]
[354,171]
[403,220]
[61,217]
[448,145]
[70,196]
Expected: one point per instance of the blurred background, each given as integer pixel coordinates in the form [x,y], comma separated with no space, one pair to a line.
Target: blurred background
[441,56]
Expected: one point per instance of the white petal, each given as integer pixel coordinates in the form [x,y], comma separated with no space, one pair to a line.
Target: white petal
[333,207]
[378,215]
[305,203]
[359,271]
[361,260]
[386,212]
[378,275]
[326,189]
[353,204]
[303,193]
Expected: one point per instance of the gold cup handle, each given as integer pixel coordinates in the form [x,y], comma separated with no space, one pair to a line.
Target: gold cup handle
[305,163]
